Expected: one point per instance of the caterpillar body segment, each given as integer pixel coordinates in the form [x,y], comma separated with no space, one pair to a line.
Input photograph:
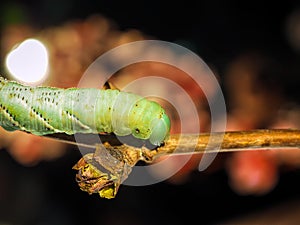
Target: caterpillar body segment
[48,110]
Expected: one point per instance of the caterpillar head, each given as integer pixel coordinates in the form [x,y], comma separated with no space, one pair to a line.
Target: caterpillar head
[156,131]
[149,121]
[160,129]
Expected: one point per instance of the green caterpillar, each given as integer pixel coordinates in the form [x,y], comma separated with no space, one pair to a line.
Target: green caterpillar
[48,110]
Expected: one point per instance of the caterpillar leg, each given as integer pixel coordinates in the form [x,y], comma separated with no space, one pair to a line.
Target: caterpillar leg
[109,85]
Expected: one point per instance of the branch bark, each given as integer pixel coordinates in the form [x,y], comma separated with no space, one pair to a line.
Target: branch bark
[213,142]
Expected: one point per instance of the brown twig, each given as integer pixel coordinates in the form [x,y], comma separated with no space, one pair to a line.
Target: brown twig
[118,159]
[214,142]
[231,141]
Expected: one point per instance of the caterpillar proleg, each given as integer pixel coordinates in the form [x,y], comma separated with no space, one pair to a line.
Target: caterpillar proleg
[48,110]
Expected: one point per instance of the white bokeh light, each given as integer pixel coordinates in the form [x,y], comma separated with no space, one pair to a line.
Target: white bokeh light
[28,62]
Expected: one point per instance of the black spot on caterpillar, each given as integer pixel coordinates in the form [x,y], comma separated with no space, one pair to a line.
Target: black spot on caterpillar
[48,110]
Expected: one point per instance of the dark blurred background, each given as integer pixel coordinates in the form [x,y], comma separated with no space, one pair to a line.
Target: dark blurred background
[218,31]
